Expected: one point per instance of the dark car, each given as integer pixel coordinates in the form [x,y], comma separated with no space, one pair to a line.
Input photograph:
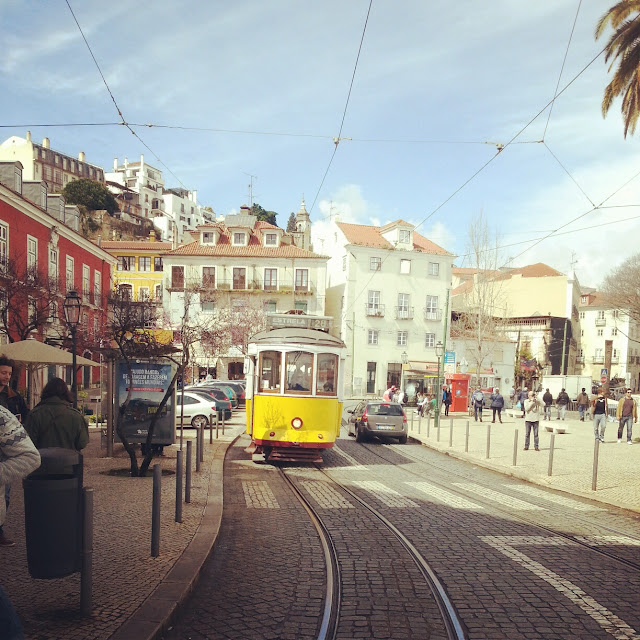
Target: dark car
[212,392]
[237,386]
[381,418]
[231,394]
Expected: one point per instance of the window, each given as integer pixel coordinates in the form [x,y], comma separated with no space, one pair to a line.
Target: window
[239,278]
[373,302]
[126,263]
[269,369]
[69,274]
[4,243]
[299,366]
[434,269]
[581,315]
[144,263]
[32,310]
[207,306]
[53,263]
[372,336]
[143,294]
[300,306]
[614,331]
[270,279]
[583,299]
[598,354]
[238,238]
[326,382]
[96,327]
[600,315]
[97,286]
[302,279]
[86,281]
[431,308]
[430,340]
[125,291]
[405,266]
[402,338]
[582,333]
[371,377]
[32,254]
[207,237]
[616,313]
[177,277]
[344,263]
[270,306]
[403,305]
[271,239]
[600,332]
[375,264]
[158,292]
[404,236]
[208,277]
[157,264]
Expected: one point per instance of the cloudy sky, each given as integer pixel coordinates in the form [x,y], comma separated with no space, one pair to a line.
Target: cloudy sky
[251,88]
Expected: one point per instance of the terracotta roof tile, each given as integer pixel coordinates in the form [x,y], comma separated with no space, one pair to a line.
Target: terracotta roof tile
[137,245]
[254,250]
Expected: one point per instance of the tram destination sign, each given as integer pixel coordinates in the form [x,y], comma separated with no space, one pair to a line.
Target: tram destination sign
[284,320]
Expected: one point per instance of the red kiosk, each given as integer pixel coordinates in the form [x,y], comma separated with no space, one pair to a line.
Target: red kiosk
[459,390]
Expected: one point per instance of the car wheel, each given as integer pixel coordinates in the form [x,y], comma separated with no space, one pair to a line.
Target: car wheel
[360,437]
[199,421]
[402,439]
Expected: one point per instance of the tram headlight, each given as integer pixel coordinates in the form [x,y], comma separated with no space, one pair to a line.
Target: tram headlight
[296,423]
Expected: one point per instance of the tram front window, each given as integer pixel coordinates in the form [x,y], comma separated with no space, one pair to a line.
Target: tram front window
[327,374]
[299,368]
[270,371]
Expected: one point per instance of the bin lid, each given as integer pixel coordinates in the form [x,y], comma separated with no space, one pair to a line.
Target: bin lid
[57,458]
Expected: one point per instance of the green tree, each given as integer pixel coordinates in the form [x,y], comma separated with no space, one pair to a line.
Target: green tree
[90,194]
[623,49]
[262,214]
[291,223]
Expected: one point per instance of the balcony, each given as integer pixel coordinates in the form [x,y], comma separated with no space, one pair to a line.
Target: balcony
[597,360]
[404,313]
[579,359]
[601,322]
[257,284]
[374,310]
[615,359]
[432,314]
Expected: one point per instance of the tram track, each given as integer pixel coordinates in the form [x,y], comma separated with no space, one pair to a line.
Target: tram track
[492,505]
[331,614]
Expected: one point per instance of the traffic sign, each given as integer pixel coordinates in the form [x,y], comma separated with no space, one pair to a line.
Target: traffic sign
[604,374]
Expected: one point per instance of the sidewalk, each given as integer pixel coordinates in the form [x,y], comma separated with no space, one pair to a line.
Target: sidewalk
[618,479]
[133,593]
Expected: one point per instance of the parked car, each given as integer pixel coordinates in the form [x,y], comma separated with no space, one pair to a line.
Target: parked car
[219,392]
[197,408]
[381,418]
[140,409]
[238,387]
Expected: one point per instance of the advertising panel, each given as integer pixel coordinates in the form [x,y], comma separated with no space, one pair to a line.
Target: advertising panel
[150,383]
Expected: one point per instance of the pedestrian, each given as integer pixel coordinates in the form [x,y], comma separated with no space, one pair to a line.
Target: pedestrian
[497,404]
[512,397]
[388,394]
[599,409]
[54,422]
[561,402]
[478,402]
[422,401]
[583,403]
[18,458]
[532,407]
[627,414]
[448,399]
[547,398]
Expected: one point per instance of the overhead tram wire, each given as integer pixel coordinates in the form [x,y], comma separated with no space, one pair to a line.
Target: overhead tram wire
[337,139]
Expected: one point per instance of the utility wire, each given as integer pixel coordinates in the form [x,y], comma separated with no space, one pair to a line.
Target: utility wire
[555,157]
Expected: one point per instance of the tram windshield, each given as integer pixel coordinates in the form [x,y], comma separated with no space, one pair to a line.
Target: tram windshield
[299,369]
[270,371]
[327,374]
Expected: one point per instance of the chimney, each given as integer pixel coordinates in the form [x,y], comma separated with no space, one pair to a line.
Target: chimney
[99,240]
[115,164]
[45,143]
[28,136]
[81,156]
[126,163]
[152,236]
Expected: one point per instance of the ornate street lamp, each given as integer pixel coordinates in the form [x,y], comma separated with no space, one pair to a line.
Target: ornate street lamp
[439,354]
[72,308]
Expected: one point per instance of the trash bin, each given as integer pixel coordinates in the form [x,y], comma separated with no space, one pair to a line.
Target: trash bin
[53,514]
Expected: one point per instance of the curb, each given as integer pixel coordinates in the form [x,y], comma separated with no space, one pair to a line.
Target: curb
[153,616]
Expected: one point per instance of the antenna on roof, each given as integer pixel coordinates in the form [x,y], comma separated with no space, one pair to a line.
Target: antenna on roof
[251,179]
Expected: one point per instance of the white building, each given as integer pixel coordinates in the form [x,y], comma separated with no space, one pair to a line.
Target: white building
[387,290]
[182,214]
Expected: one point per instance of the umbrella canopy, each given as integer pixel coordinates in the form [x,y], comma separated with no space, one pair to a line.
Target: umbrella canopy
[31,352]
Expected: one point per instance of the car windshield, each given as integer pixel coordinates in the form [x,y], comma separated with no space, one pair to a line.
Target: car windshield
[384,409]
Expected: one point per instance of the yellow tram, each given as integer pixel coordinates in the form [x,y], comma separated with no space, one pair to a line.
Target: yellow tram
[294,391]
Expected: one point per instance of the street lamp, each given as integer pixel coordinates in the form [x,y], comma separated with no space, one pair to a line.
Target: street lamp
[439,354]
[405,359]
[72,306]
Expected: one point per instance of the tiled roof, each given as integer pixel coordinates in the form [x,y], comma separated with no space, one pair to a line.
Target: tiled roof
[538,270]
[368,236]
[135,245]
[253,250]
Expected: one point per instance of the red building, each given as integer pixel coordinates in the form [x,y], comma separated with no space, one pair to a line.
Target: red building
[42,258]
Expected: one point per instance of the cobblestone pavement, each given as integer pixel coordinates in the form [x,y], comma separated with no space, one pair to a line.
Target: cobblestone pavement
[125,576]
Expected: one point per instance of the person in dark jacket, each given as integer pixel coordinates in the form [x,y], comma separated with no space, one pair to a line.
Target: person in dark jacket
[583,403]
[497,404]
[561,402]
[54,422]
[447,400]
[547,398]
[477,400]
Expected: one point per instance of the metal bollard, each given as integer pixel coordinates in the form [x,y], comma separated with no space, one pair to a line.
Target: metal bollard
[594,476]
[198,443]
[428,424]
[211,428]
[155,511]
[515,447]
[201,443]
[179,474]
[86,573]
[223,423]
[438,429]
[488,440]
[411,420]
[451,432]
[419,423]
[187,485]
[466,439]
[551,446]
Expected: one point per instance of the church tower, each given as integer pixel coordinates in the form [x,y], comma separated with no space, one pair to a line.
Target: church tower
[302,234]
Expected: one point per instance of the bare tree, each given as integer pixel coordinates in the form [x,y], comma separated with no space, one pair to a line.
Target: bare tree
[621,288]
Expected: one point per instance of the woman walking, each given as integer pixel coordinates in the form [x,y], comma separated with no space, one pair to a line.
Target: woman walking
[497,404]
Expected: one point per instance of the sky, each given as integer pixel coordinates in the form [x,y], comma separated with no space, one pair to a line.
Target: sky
[248,92]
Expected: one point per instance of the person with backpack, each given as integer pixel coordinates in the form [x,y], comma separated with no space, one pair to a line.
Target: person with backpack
[547,398]
[561,402]
[497,404]
[477,400]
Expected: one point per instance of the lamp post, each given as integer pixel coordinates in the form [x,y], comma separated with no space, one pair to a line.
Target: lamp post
[405,359]
[72,306]
[439,354]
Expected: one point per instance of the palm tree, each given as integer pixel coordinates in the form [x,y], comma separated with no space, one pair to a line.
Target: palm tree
[623,48]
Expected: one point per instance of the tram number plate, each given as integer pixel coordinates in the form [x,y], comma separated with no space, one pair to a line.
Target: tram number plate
[384,427]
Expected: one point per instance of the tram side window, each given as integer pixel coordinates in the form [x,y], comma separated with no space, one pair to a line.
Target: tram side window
[299,370]
[327,374]
[270,371]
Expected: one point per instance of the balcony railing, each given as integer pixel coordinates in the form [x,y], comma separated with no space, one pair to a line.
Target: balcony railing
[432,314]
[374,310]
[579,359]
[615,359]
[597,360]
[601,322]
[244,285]
[404,313]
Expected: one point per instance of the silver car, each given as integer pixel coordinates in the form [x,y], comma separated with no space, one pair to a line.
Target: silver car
[378,418]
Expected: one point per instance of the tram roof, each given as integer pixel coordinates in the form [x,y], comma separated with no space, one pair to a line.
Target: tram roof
[295,335]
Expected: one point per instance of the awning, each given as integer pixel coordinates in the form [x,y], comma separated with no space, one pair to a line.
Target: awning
[32,352]
[420,368]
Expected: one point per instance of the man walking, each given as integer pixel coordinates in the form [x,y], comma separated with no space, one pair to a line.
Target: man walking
[497,404]
[583,404]
[627,414]
[532,406]
[478,401]
[547,398]
[599,410]
[561,402]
